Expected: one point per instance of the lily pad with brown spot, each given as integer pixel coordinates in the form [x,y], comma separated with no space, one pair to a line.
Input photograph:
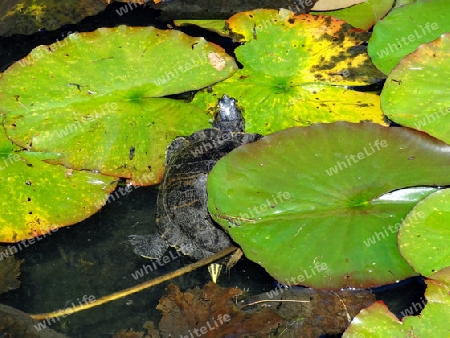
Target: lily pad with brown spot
[37,197]
[296,71]
[95,98]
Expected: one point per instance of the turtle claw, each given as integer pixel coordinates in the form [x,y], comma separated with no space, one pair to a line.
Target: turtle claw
[148,246]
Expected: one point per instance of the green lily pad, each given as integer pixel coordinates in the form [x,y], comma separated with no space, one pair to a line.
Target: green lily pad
[38,197]
[404,29]
[331,5]
[122,138]
[424,241]
[296,69]
[414,94]
[378,321]
[363,15]
[399,3]
[92,97]
[326,197]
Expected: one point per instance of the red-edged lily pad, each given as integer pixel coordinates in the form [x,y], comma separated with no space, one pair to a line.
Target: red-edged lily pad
[296,71]
[378,321]
[404,29]
[328,197]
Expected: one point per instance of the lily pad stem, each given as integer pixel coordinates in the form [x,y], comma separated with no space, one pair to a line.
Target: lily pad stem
[137,288]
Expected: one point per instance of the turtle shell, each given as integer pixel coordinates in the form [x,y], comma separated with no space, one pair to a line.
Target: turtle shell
[182,212]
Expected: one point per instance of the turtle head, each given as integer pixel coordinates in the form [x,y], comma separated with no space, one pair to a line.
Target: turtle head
[229,117]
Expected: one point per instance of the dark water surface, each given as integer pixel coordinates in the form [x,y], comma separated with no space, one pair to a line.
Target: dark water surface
[93,259]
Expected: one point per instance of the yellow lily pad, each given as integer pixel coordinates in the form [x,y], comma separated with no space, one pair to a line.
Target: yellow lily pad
[297,70]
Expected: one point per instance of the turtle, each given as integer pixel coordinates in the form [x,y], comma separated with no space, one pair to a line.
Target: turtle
[182,216]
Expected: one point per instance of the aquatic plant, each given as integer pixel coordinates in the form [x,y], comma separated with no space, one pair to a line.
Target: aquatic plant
[99,110]
[319,204]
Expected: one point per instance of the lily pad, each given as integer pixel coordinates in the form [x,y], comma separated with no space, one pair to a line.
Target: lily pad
[399,3]
[378,321]
[296,71]
[424,73]
[328,5]
[404,29]
[38,197]
[424,241]
[122,138]
[363,15]
[92,96]
[307,48]
[327,198]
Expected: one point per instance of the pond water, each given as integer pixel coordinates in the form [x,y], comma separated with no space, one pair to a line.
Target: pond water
[94,259]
